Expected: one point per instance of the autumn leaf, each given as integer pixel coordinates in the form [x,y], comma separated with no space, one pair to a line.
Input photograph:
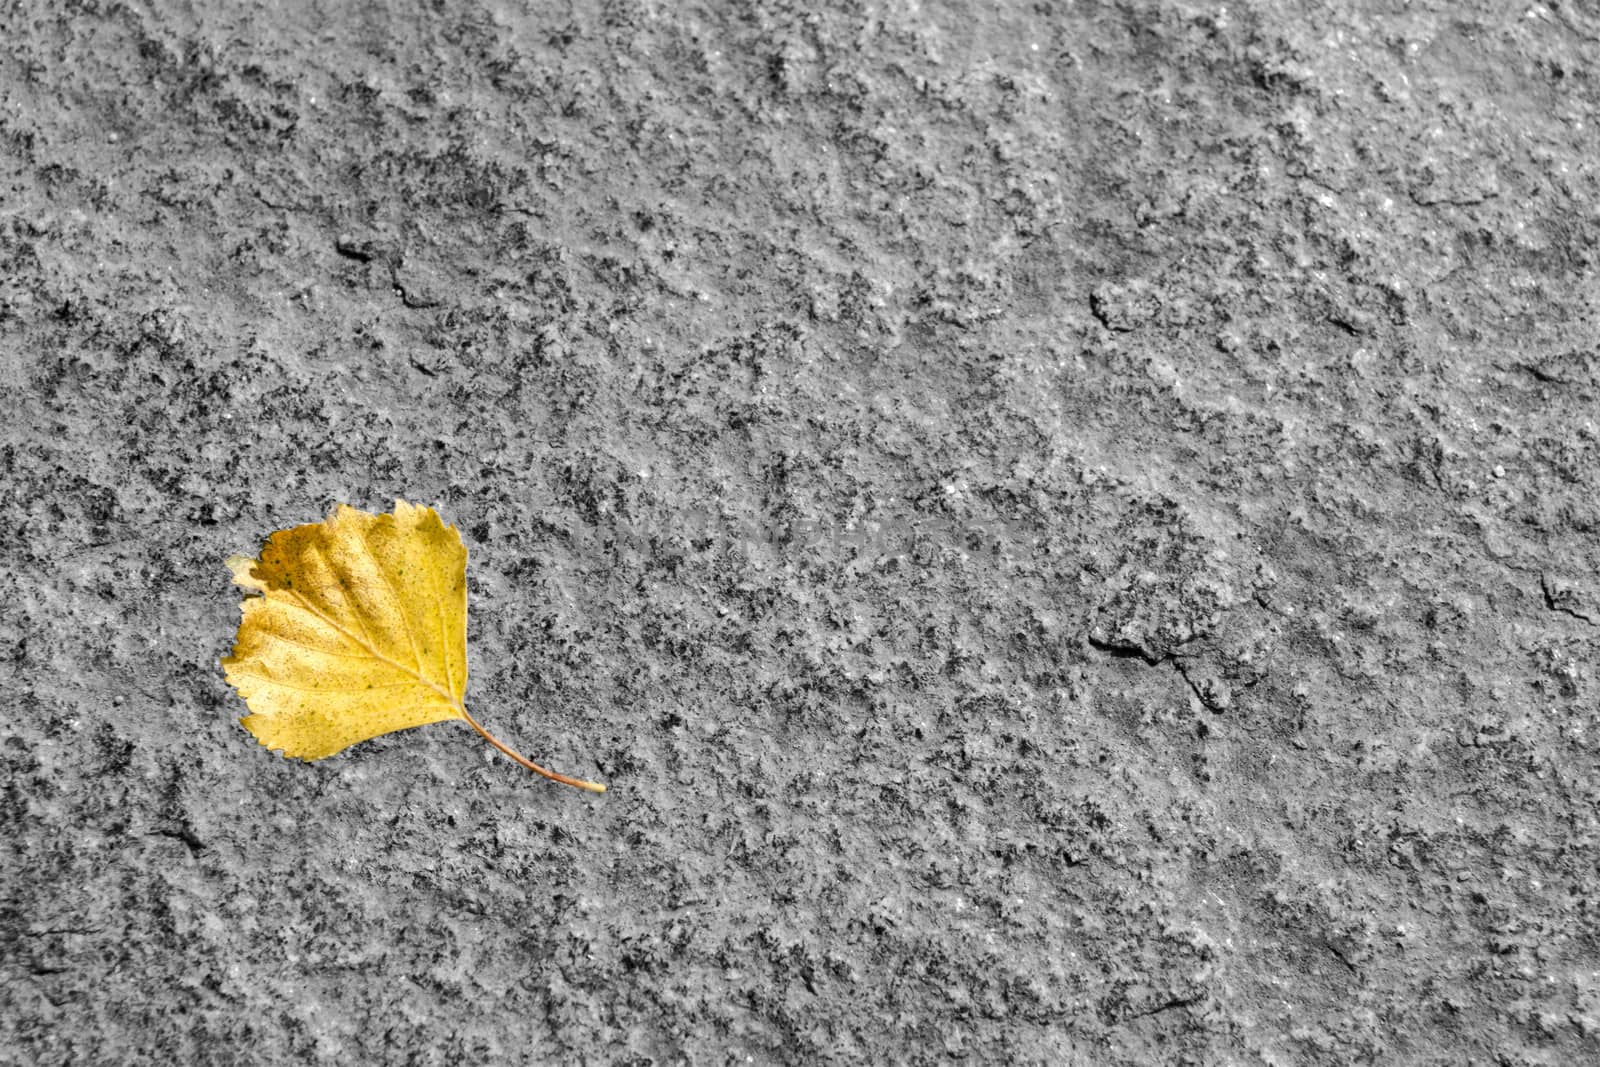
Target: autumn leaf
[358,628]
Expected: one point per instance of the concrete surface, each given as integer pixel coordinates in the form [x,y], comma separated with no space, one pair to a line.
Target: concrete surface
[1070,529]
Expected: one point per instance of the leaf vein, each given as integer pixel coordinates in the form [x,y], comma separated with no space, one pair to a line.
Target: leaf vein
[306,606]
[444,637]
[319,688]
[344,591]
[405,615]
[365,653]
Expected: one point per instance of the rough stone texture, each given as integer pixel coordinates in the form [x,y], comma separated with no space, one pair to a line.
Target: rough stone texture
[1069,528]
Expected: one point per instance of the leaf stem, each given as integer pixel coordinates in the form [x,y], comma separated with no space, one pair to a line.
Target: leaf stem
[577,783]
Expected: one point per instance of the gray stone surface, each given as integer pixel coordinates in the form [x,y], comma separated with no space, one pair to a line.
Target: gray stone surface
[1069,528]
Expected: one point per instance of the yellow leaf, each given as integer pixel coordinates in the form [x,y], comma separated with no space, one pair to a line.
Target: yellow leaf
[359,629]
